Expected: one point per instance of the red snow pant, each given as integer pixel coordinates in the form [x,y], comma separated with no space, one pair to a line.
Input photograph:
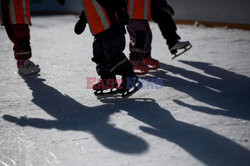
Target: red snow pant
[19,34]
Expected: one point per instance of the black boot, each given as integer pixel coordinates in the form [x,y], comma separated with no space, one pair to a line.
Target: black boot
[107,84]
[130,82]
[129,86]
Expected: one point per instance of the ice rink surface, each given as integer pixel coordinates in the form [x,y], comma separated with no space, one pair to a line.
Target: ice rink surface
[198,116]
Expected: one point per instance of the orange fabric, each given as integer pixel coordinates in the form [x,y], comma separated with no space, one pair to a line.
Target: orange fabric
[28,10]
[139,9]
[19,13]
[94,18]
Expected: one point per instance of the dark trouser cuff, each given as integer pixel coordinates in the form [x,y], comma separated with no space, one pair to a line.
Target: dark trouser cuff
[24,54]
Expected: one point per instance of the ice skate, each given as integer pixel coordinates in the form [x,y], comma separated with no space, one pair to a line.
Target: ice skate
[105,87]
[151,63]
[139,67]
[27,67]
[182,46]
[129,86]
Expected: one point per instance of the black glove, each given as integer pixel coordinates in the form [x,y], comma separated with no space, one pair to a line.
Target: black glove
[61,2]
[123,17]
[81,24]
[80,27]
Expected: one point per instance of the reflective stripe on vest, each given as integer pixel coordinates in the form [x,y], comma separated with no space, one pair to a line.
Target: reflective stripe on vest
[19,11]
[1,13]
[96,15]
[139,9]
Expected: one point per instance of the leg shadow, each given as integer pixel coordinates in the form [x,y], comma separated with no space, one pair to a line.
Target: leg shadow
[72,115]
[208,147]
[228,91]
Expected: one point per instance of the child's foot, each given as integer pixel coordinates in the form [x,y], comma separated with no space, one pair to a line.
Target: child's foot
[105,86]
[183,46]
[151,63]
[27,67]
[129,86]
[139,67]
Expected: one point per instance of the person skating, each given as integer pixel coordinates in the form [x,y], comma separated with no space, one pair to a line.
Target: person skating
[140,36]
[15,16]
[161,13]
[140,12]
[106,19]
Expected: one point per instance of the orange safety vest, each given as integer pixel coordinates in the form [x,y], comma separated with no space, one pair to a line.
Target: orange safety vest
[19,11]
[1,11]
[97,17]
[139,9]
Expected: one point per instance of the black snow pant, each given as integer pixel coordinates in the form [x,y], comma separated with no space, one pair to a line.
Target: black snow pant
[166,24]
[108,54]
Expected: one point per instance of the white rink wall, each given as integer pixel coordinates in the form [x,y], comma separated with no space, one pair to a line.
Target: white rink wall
[224,11]
[74,6]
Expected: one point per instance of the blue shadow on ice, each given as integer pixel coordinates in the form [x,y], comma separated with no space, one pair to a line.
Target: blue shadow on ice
[72,115]
[205,145]
[226,90]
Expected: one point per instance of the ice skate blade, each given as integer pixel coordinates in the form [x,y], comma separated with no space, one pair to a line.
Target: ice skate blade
[130,93]
[139,72]
[153,68]
[109,96]
[102,93]
[185,50]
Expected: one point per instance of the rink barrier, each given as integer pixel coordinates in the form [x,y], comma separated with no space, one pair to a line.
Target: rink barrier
[214,24]
[177,21]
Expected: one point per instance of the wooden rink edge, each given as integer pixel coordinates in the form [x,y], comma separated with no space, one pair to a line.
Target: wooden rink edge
[214,24]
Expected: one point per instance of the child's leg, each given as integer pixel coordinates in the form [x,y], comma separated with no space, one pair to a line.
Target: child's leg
[113,44]
[167,26]
[140,44]
[107,82]
[100,60]
[19,34]
[108,54]
[168,29]
[109,57]
[148,40]
[151,63]
[140,38]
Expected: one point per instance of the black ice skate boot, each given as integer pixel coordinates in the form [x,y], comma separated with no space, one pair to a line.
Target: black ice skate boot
[130,82]
[107,84]
[129,86]
[180,48]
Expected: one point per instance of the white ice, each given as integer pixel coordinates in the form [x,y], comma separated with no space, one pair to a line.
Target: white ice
[200,116]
